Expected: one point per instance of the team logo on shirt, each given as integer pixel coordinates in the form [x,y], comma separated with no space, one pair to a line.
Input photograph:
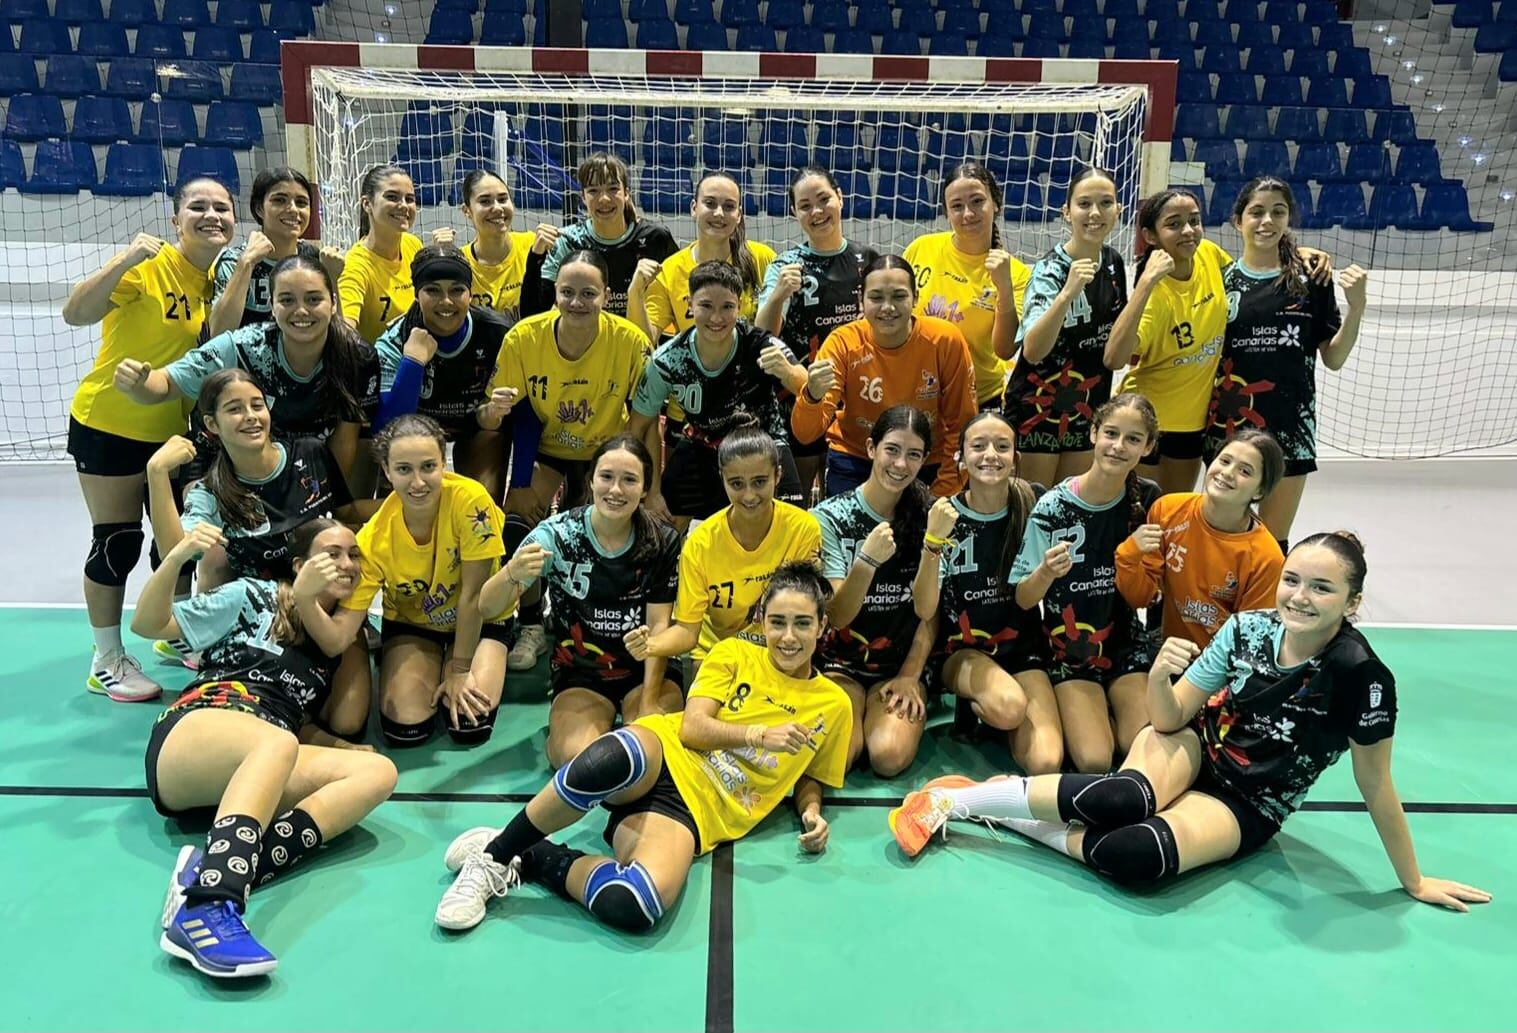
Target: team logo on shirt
[1290,336]
[942,308]
[1232,400]
[1376,694]
[575,412]
[1061,397]
[482,523]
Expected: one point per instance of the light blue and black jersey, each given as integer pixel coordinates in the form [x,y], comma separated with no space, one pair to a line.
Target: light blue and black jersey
[977,607]
[830,294]
[874,644]
[454,384]
[643,239]
[737,393]
[259,304]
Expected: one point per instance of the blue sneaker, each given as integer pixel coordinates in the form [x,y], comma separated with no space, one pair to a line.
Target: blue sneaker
[213,938]
[186,871]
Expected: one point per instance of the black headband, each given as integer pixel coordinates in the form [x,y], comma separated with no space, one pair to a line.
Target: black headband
[431,268]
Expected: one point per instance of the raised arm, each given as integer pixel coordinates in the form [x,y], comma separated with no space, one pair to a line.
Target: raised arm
[1123,342]
[90,299]
[1335,353]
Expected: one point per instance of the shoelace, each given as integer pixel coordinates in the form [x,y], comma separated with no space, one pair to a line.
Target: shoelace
[479,872]
[224,921]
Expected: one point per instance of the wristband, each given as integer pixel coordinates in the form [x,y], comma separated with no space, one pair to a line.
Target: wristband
[868,561]
[935,550]
[932,539]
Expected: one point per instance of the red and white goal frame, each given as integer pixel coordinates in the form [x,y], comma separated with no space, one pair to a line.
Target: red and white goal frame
[299,57]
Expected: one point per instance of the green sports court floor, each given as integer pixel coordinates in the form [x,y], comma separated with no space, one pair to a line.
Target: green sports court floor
[983,933]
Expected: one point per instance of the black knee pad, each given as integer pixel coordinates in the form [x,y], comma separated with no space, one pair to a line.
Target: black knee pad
[514,532]
[473,735]
[403,736]
[623,897]
[1106,801]
[1136,855]
[114,551]
[355,736]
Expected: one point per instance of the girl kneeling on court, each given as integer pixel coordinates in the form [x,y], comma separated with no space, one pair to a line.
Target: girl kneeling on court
[610,569]
[872,541]
[430,549]
[1241,732]
[237,739]
[1098,652]
[760,722]
[994,654]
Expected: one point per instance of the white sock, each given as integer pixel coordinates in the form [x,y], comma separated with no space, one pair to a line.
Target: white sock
[1052,834]
[107,640]
[1003,798]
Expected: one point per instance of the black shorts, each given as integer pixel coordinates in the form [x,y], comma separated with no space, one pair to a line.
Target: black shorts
[1028,653]
[576,474]
[1254,828]
[1136,656]
[615,689]
[867,680]
[492,631]
[1182,444]
[664,798]
[692,482]
[101,454]
[160,735]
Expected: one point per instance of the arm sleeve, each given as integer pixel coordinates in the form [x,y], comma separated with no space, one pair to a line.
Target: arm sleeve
[718,674]
[189,372]
[830,764]
[205,619]
[1035,542]
[200,508]
[810,420]
[1374,713]
[403,394]
[652,391]
[1209,670]
[543,535]
[691,602]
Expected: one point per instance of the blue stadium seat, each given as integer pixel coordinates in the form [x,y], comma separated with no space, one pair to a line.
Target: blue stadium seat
[664,192]
[1089,49]
[1317,161]
[1132,48]
[169,123]
[1203,11]
[897,144]
[901,42]
[657,34]
[1092,30]
[899,195]
[1327,93]
[1120,8]
[1496,37]
[1281,12]
[706,36]
[1335,35]
[1266,158]
[243,15]
[608,127]
[776,200]
[447,27]
[35,116]
[1197,121]
[1341,204]
[216,162]
[784,144]
[131,77]
[1177,151]
[1353,63]
[1394,204]
[160,41]
[1266,60]
[257,83]
[507,30]
[838,146]
[693,12]
[785,14]
[1308,63]
[947,146]
[594,10]
[1182,52]
[803,39]
[18,10]
[1471,14]
[1220,158]
[1081,10]
[1398,126]
[1218,210]
[185,14]
[1298,124]
[1195,88]
[1005,21]
[12,167]
[830,15]
[1213,34]
[996,44]
[101,120]
[874,17]
[18,74]
[132,13]
[1281,91]
[1041,48]
[757,39]
[61,167]
[1257,36]
[469,6]
[919,19]
[70,75]
[430,178]
[1347,126]
[667,140]
[198,81]
[539,188]
[1507,69]
[425,132]
[234,124]
[1295,36]
[1170,31]
[1024,202]
[1047,25]
[1161,10]
[606,32]
[519,7]
[263,47]
[1320,12]
[852,41]
[103,39]
[43,36]
[1240,11]
[1418,163]
[292,16]
[1372,92]
[215,43]
[1506,13]
[1247,122]
[965,20]
[1237,88]
[1447,204]
[1367,163]
[724,142]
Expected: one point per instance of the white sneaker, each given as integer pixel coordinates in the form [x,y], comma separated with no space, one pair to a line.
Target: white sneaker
[120,677]
[177,651]
[531,644]
[479,879]
[466,843]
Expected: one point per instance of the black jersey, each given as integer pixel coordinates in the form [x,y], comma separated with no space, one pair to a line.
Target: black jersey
[716,401]
[456,382]
[596,596]
[1088,625]
[1270,731]
[977,608]
[306,484]
[874,644]
[258,305]
[643,239]
[242,667]
[1050,402]
[1267,376]
[829,296]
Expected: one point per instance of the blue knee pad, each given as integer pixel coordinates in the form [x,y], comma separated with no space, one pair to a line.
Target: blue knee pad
[608,765]
[114,551]
[623,897]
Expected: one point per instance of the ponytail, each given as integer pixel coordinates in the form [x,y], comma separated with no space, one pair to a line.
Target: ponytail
[1293,274]
[368,189]
[286,628]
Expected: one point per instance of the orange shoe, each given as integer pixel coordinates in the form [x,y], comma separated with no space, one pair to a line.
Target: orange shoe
[950,782]
[921,815]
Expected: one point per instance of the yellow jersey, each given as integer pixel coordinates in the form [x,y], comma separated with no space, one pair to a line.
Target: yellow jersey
[499,286]
[1180,341]
[581,402]
[420,580]
[730,791]
[720,582]
[668,298]
[375,290]
[160,306]
[954,286]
